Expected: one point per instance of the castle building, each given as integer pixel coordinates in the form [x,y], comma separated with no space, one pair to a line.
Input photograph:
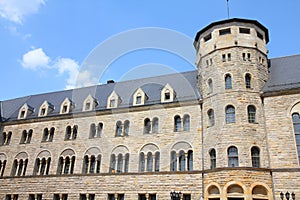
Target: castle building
[228,130]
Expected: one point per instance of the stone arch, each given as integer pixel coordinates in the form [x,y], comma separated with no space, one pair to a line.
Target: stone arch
[68,152]
[182,145]
[93,151]
[235,189]
[121,149]
[213,191]
[21,155]
[293,108]
[44,154]
[261,191]
[3,156]
[150,147]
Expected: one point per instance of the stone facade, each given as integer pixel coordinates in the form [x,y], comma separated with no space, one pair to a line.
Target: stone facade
[209,147]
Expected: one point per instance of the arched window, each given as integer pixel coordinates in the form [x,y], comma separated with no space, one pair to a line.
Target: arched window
[155,125]
[68,132]
[119,129]
[126,167]
[228,81]
[233,159]
[2,167]
[248,80]
[112,168]
[173,161]
[85,164]
[177,123]
[45,135]
[126,128]
[142,162]
[186,122]
[255,157]
[42,166]
[211,117]
[213,159]
[181,161]
[92,130]
[149,162]
[251,114]
[75,131]
[296,123]
[19,167]
[190,158]
[230,114]
[147,126]
[120,163]
[210,86]
[157,161]
[99,129]
[66,165]
[51,136]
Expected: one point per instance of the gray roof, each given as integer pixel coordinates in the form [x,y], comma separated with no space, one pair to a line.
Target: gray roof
[284,74]
[184,85]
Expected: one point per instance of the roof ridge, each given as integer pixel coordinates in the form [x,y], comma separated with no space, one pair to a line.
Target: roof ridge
[288,56]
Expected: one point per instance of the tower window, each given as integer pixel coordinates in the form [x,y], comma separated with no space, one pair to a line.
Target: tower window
[251,114]
[248,81]
[208,37]
[233,159]
[210,85]
[228,82]
[255,157]
[244,57]
[229,56]
[245,30]
[213,159]
[230,114]
[224,57]
[211,117]
[259,35]
[225,31]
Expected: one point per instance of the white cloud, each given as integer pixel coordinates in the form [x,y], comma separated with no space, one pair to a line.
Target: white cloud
[16,10]
[35,59]
[69,66]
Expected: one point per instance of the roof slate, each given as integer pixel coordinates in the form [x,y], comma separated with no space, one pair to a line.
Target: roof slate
[284,74]
[184,85]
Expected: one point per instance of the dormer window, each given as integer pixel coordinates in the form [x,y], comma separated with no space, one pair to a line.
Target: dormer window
[167,94]
[113,100]
[87,106]
[24,111]
[66,106]
[139,97]
[45,109]
[89,103]
[43,112]
[64,109]
[22,115]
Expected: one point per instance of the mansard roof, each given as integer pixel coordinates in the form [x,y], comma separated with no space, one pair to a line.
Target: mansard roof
[284,74]
[185,85]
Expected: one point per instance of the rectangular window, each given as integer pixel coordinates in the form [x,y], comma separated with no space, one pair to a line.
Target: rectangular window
[244,57]
[22,115]
[112,103]
[152,196]
[229,56]
[63,197]
[225,31]
[208,37]
[138,99]
[245,30]
[259,35]
[186,197]
[249,56]
[11,197]
[142,197]
[223,57]
[65,108]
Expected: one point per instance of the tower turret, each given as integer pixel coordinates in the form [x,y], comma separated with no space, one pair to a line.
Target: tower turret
[232,70]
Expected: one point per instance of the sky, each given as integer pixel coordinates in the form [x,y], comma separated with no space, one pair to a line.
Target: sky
[53,45]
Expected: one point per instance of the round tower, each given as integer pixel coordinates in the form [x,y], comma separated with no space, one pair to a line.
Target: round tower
[232,70]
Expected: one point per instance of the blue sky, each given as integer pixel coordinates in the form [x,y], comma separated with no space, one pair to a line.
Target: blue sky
[44,43]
